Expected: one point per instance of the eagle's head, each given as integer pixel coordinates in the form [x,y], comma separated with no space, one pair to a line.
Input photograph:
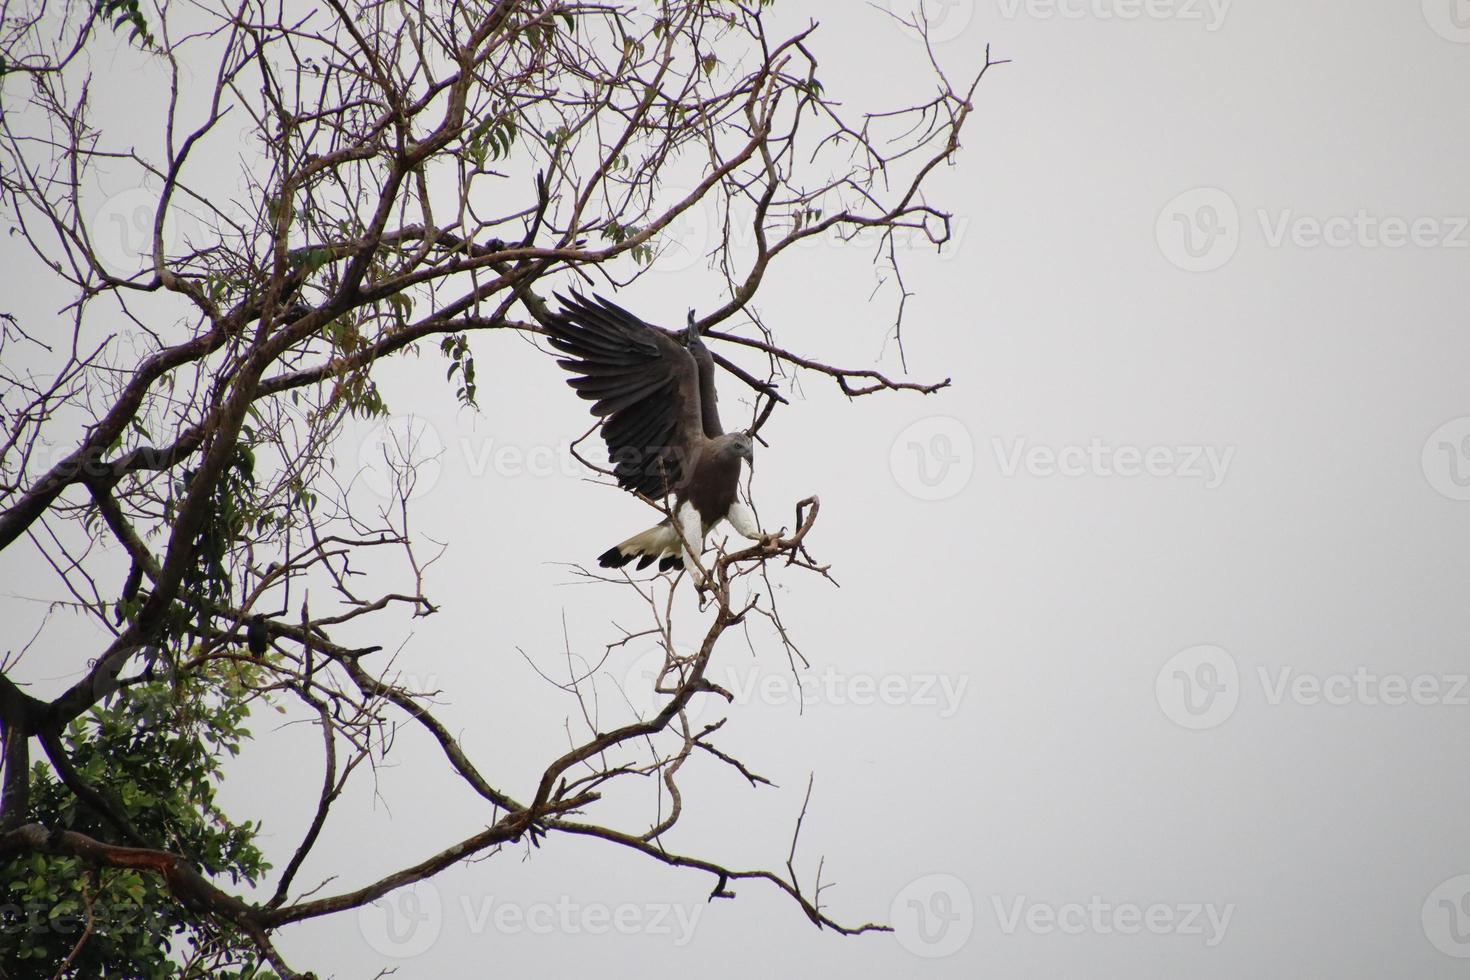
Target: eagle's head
[739,444]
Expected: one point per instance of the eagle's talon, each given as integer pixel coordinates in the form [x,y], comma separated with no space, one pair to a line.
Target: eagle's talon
[702,589]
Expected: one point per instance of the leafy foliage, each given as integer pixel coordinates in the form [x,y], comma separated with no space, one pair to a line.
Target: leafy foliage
[127,13]
[457,348]
[156,747]
[381,156]
[491,139]
[229,514]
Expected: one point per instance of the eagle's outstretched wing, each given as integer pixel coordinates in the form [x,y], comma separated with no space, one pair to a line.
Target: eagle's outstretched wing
[643,385]
[708,399]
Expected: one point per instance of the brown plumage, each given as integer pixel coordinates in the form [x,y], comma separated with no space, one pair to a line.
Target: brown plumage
[656,398]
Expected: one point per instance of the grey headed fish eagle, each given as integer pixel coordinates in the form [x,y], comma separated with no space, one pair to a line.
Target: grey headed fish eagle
[661,423]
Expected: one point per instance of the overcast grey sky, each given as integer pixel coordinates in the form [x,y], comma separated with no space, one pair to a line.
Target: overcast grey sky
[1149,657]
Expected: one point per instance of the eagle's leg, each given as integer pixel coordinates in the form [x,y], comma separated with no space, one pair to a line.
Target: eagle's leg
[691,529]
[742,519]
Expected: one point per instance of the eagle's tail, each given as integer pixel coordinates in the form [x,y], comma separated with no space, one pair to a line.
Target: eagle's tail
[659,543]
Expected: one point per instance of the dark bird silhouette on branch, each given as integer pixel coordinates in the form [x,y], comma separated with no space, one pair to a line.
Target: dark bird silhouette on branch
[661,422]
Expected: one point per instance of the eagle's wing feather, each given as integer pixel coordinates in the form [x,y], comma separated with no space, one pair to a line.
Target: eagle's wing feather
[643,384]
[708,400]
